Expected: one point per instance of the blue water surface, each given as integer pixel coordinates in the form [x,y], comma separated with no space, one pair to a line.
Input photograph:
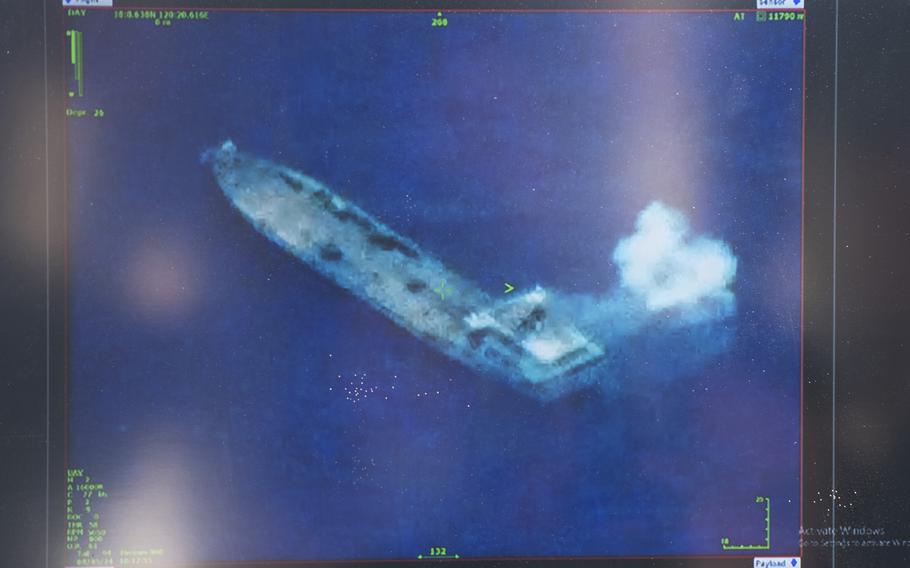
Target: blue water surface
[238,406]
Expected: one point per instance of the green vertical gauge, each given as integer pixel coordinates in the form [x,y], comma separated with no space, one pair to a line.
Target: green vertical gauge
[78,88]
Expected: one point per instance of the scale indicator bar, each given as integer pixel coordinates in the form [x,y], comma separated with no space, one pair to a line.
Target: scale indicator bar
[766,502]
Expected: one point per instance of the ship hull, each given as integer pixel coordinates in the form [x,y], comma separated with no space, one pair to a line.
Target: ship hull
[514,339]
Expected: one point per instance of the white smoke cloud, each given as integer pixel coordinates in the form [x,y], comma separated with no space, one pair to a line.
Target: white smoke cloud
[667,269]
[667,315]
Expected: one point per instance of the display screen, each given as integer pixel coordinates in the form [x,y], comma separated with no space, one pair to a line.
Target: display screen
[376,284]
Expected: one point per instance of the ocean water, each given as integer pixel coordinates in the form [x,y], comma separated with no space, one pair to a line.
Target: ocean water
[238,406]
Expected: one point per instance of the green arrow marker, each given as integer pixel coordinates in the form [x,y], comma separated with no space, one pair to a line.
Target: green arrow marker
[509,287]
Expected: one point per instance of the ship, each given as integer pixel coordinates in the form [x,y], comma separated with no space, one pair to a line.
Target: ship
[517,337]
